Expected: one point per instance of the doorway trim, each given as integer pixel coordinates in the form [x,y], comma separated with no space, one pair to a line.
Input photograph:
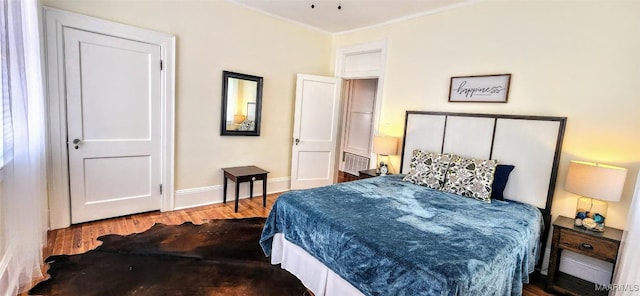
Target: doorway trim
[57,159]
[363,61]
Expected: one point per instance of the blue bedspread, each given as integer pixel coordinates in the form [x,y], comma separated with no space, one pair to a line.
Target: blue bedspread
[388,237]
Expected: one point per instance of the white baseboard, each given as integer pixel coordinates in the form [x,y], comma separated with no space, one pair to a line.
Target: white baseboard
[586,268]
[201,196]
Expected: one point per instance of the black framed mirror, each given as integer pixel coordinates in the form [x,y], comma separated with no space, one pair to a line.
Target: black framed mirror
[241,104]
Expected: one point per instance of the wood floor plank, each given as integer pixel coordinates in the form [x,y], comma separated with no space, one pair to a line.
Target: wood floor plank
[127,226]
[56,246]
[77,238]
[86,238]
[67,244]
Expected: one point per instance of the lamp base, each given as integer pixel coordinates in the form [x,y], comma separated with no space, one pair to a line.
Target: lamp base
[590,213]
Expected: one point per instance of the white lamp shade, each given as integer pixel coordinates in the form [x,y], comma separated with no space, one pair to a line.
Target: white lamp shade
[385,145]
[597,181]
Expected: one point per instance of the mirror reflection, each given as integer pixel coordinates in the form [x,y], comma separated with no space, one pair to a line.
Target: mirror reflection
[241,102]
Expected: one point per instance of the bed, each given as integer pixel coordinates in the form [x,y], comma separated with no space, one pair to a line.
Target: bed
[388,236]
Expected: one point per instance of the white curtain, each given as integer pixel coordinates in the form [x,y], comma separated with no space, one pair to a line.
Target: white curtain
[23,194]
[627,276]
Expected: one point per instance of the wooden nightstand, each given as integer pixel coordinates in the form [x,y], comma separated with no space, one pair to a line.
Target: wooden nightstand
[364,174]
[599,245]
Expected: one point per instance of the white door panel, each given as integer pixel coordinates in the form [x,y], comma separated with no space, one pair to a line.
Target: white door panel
[109,96]
[359,133]
[315,131]
[359,118]
[100,175]
[319,160]
[113,110]
[316,111]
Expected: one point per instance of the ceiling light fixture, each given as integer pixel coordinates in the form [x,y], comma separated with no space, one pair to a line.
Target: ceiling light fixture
[313,5]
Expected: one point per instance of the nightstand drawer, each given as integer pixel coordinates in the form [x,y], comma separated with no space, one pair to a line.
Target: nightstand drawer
[568,237]
[588,245]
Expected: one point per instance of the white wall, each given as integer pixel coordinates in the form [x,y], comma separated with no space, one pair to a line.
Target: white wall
[567,58]
[213,36]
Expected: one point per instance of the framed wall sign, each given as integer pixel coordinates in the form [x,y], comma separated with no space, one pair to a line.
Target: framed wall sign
[482,88]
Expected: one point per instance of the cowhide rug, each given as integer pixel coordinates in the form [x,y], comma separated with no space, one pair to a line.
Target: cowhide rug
[221,257]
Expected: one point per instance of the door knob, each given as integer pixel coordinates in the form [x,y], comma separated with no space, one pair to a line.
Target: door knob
[297,141]
[76,142]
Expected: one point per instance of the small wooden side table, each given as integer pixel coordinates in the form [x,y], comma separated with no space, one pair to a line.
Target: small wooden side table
[364,174]
[599,245]
[245,174]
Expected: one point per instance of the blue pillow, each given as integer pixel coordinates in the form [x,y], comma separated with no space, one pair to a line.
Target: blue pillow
[500,180]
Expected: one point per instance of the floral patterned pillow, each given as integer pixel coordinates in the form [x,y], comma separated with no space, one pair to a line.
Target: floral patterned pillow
[471,178]
[428,169]
[247,125]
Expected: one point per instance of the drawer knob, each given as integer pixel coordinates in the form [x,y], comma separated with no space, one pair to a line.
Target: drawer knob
[587,246]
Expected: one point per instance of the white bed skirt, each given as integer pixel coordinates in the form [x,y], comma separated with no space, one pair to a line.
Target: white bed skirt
[314,275]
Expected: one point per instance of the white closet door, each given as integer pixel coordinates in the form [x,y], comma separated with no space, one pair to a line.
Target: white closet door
[113,123]
[360,111]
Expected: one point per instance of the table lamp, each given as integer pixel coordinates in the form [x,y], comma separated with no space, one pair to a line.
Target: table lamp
[238,118]
[385,146]
[597,184]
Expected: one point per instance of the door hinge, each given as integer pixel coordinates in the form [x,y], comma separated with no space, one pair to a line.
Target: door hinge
[160,188]
[160,65]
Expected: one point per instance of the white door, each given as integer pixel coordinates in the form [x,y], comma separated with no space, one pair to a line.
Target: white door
[359,121]
[113,124]
[357,130]
[315,131]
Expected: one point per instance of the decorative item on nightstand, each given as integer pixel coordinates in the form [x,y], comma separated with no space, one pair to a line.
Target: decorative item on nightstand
[385,146]
[596,183]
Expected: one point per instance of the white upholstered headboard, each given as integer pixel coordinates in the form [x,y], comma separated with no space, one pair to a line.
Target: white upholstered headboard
[531,143]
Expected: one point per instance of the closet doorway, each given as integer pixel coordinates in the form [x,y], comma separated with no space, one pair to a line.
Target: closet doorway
[362,68]
[358,129]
